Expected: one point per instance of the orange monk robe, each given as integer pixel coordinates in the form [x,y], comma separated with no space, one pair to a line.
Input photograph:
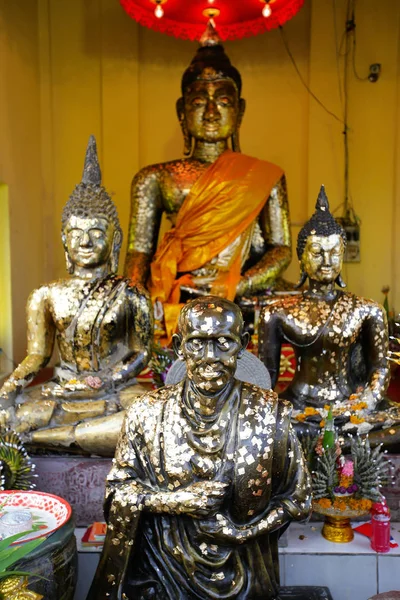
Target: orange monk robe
[224,202]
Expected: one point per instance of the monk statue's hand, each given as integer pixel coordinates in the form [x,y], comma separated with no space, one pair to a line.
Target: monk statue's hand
[198,500]
[208,497]
[220,528]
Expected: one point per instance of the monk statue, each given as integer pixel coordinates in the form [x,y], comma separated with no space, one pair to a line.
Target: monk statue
[206,475]
[229,212]
[102,324]
[340,339]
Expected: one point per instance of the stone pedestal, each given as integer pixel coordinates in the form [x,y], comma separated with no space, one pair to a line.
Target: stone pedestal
[80,480]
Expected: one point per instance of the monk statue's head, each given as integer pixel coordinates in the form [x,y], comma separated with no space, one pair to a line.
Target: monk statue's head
[91,232]
[321,244]
[211,107]
[210,339]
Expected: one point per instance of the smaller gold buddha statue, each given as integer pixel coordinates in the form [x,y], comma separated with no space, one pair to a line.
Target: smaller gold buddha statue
[102,325]
[340,339]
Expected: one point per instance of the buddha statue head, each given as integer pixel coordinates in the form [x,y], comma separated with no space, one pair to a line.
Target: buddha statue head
[91,233]
[320,245]
[210,339]
[211,107]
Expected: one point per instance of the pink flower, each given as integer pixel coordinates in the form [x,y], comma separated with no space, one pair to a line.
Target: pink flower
[94,382]
[348,469]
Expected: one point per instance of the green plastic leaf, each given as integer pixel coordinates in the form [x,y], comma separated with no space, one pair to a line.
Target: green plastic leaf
[15,573]
[4,544]
[18,552]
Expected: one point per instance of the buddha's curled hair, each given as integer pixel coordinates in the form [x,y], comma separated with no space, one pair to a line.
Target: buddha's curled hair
[89,198]
[321,223]
[211,62]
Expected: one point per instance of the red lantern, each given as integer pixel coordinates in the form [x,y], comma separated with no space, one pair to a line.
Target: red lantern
[187,19]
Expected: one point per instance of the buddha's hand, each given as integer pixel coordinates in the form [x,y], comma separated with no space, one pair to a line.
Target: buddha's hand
[242,287]
[198,500]
[4,419]
[8,393]
[89,387]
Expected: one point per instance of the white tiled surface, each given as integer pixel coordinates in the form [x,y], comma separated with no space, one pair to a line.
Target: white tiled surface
[314,543]
[388,572]
[348,577]
[351,571]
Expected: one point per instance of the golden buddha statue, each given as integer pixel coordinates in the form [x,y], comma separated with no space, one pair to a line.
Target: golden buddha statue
[229,212]
[101,322]
[340,339]
[206,474]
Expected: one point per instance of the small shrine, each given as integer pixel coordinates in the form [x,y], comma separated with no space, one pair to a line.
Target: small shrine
[199,308]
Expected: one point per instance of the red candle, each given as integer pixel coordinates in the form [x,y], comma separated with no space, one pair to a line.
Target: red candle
[380,519]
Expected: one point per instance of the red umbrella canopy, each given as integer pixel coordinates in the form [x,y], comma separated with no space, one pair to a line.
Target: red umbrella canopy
[234,19]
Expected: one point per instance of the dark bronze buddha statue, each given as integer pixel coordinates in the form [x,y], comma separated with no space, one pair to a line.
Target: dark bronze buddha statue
[206,474]
[230,231]
[340,339]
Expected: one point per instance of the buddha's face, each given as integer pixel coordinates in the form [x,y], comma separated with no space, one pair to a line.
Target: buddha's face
[211,110]
[210,343]
[323,257]
[88,241]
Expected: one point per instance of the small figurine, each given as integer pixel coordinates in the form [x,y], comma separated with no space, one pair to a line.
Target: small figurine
[229,212]
[102,325]
[340,340]
[206,473]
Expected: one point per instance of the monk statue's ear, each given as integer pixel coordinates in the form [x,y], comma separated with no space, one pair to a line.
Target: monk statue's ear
[302,280]
[242,108]
[68,263]
[235,140]
[116,247]
[187,138]
[339,281]
[177,345]
[245,338]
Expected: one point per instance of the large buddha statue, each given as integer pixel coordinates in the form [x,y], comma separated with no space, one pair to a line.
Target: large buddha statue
[206,474]
[340,339]
[230,231]
[102,325]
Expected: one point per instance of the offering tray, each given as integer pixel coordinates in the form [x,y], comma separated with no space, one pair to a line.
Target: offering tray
[49,512]
[337,527]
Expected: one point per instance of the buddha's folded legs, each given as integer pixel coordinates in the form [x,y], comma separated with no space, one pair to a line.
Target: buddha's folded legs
[96,436]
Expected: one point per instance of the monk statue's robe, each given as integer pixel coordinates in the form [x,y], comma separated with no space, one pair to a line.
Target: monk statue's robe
[153,551]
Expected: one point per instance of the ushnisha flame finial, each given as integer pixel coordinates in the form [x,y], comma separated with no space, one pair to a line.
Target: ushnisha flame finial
[210,37]
[91,171]
[322,200]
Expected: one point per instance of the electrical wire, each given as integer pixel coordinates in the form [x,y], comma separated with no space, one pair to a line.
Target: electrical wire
[285,42]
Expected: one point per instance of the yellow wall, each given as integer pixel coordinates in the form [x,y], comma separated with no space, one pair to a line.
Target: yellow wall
[88,68]
[6,350]
[20,164]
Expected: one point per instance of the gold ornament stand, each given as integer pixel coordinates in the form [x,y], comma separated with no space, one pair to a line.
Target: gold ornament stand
[337,529]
